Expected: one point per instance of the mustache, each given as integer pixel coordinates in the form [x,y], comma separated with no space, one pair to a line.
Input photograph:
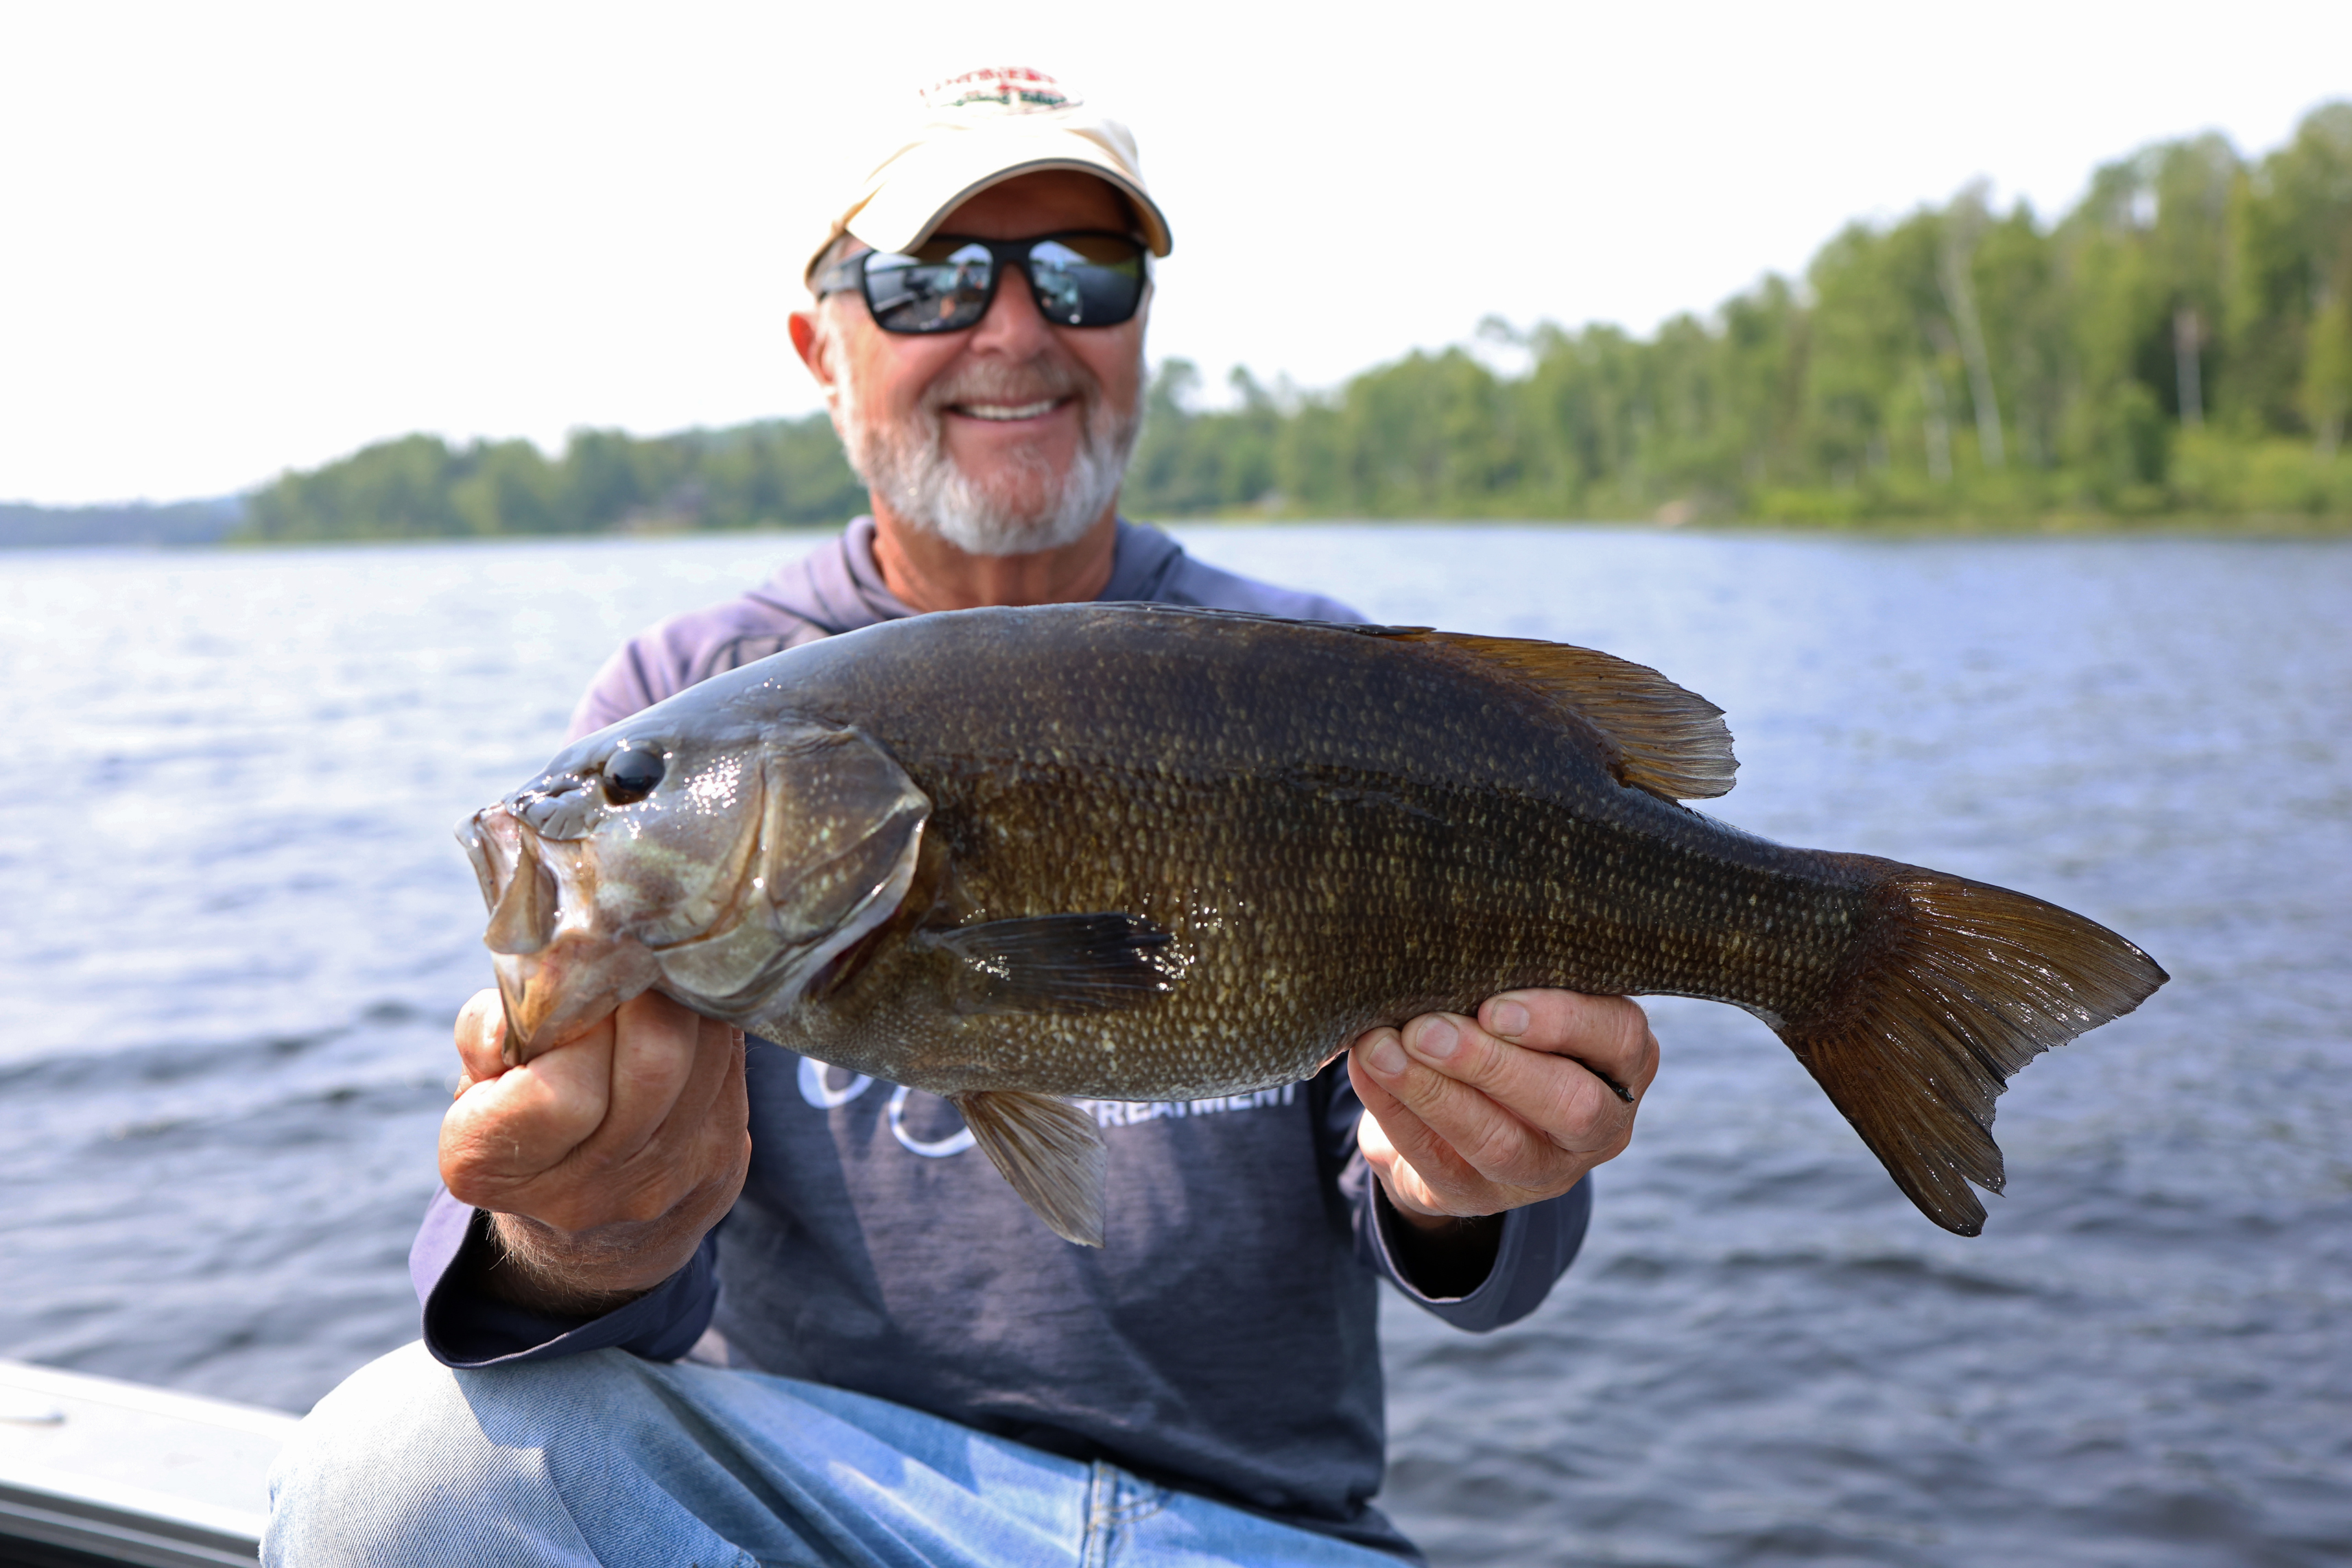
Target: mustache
[993,381]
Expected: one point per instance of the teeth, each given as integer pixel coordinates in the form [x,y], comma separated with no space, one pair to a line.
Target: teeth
[1007,410]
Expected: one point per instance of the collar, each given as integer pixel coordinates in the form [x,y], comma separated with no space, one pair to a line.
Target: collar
[839,589]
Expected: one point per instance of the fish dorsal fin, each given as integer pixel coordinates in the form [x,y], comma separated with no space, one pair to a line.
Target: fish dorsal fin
[1664,740]
[1049,1150]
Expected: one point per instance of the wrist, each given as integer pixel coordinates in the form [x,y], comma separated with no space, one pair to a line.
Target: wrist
[1445,1257]
[531,1263]
[1427,1221]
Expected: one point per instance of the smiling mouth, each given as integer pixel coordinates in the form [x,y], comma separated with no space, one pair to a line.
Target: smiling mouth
[1006,411]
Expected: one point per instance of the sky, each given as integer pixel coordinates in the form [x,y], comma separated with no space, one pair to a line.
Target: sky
[239,237]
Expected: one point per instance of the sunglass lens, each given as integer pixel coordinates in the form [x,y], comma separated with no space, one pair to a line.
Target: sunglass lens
[943,287]
[1087,281]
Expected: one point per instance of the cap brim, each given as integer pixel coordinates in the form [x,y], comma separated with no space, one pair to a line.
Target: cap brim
[923,185]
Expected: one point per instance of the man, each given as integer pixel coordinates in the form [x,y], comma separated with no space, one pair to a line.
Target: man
[903,1366]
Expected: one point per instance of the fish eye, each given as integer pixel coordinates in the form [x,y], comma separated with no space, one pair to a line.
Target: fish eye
[630,776]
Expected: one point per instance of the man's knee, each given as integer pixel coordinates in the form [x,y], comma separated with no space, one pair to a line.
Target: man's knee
[410,1462]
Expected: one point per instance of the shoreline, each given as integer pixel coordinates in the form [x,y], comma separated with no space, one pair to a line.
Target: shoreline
[2060,525]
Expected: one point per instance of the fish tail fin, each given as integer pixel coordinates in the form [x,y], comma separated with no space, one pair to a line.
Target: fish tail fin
[1956,986]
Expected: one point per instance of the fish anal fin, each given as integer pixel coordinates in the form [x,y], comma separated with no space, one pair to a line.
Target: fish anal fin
[1100,963]
[1664,739]
[1960,985]
[1050,1152]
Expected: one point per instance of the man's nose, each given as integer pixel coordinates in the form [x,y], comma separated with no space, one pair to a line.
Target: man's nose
[1014,326]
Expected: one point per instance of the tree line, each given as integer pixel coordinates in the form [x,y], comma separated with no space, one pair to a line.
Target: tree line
[2178,343]
[764,474]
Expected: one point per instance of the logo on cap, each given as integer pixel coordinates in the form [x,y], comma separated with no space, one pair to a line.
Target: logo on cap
[1015,88]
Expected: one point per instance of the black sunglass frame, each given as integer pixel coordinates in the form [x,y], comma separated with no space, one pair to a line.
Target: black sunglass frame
[1004,255]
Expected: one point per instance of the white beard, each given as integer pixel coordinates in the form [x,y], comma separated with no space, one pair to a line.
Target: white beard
[1017,512]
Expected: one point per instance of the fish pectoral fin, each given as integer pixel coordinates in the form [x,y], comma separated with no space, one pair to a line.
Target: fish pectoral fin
[1056,963]
[1669,741]
[1051,1152]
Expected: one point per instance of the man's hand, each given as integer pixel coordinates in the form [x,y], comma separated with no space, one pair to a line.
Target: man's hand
[605,1158]
[1468,1116]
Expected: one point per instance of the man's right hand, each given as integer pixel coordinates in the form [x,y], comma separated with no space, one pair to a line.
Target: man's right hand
[604,1158]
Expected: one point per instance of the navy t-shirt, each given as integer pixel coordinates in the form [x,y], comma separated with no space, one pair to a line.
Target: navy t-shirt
[1223,1340]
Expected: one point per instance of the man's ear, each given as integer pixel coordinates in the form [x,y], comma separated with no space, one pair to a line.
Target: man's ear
[815,345]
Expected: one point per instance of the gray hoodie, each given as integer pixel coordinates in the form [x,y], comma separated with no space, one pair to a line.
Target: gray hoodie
[1222,1342]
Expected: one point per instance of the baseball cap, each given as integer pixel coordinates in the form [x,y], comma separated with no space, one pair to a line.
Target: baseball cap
[981,129]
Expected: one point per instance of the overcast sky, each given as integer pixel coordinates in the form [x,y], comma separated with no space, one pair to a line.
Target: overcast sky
[238,238]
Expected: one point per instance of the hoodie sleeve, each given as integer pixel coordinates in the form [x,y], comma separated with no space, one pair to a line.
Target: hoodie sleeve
[464,1328]
[1537,1244]
[664,659]
[630,682]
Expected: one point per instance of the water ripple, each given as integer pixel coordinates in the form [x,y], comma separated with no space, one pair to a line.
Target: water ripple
[237,932]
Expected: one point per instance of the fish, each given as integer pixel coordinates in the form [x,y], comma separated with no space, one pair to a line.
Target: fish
[1015,856]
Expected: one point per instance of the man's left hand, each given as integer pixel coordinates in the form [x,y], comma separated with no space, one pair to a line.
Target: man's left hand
[1472,1116]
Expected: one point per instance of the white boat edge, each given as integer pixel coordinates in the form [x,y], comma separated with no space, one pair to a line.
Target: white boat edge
[104,1518]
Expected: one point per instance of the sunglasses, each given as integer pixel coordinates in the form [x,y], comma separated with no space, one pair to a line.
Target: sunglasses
[1084,278]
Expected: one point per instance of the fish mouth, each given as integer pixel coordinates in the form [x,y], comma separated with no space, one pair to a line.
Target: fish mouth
[556,969]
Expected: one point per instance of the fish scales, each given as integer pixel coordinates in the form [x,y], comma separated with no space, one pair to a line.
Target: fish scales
[1135,853]
[1365,874]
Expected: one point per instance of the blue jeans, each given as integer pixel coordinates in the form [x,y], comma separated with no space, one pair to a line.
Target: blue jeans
[604,1458]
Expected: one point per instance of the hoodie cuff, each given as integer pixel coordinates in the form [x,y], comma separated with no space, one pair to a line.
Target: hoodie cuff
[466,1328]
[1537,1244]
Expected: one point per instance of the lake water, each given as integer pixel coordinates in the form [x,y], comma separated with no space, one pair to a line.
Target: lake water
[235,929]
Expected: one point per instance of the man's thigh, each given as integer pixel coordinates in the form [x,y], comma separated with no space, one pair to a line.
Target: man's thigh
[409,1463]
[604,1458]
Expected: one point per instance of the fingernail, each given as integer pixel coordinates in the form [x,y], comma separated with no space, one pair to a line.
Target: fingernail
[1436,1040]
[1507,1018]
[1386,1057]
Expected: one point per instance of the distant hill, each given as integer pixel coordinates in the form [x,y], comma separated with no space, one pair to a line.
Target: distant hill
[181,523]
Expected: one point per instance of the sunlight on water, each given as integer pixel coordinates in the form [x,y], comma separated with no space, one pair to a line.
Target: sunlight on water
[238,928]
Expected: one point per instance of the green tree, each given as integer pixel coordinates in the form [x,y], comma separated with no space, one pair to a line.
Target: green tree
[2180,341]
[395,489]
[770,473]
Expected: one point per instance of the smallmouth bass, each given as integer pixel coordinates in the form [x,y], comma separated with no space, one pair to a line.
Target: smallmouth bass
[1139,852]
